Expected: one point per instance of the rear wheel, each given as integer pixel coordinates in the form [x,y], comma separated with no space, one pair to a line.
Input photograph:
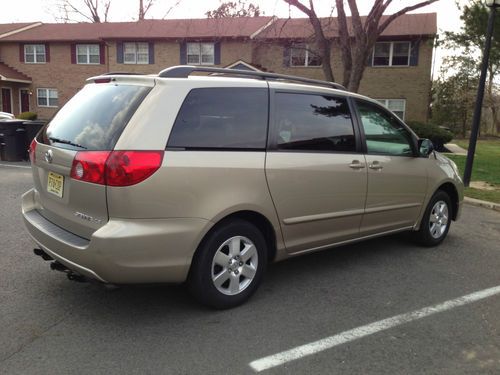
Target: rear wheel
[436,221]
[228,266]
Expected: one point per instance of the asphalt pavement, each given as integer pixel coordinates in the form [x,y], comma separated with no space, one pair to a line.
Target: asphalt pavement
[49,325]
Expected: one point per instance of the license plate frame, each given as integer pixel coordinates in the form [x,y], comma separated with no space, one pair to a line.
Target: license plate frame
[55,184]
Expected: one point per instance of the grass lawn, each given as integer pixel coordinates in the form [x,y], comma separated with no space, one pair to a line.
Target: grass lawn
[486,168]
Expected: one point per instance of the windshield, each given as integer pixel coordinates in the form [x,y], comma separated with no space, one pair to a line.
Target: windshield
[94,118]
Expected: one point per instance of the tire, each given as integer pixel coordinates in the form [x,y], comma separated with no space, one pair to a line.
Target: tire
[228,265]
[436,220]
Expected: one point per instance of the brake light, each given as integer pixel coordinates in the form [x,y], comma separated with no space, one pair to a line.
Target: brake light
[115,168]
[124,168]
[32,150]
[89,166]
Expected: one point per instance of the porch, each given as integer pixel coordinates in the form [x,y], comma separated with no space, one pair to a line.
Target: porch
[15,90]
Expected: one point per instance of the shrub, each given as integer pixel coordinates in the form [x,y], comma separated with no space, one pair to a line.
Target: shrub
[437,135]
[27,116]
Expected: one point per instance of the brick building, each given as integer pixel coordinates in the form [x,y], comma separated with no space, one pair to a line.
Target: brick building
[43,65]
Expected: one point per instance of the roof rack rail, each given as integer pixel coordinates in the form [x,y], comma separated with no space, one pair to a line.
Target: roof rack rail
[122,74]
[184,71]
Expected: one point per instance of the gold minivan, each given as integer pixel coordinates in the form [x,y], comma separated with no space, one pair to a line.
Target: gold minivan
[181,177]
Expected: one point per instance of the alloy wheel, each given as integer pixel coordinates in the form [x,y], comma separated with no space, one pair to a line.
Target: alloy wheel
[234,265]
[438,221]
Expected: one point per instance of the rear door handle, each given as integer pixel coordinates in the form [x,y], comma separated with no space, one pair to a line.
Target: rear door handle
[356,164]
[375,165]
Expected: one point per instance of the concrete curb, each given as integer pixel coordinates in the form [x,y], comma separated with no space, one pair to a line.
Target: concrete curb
[480,203]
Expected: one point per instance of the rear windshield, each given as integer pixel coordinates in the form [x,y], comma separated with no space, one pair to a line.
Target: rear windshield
[94,118]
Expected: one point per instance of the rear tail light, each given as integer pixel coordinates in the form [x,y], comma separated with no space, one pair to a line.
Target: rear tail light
[124,168]
[32,150]
[89,166]
[115,168]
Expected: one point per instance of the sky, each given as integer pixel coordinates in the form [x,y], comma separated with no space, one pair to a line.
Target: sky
[126,10]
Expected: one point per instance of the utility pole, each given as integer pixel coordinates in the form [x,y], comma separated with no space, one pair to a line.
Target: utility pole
[492,4]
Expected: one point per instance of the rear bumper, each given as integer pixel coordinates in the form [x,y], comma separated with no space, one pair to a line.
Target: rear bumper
[123,251]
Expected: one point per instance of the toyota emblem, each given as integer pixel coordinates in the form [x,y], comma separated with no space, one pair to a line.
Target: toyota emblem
[48,156]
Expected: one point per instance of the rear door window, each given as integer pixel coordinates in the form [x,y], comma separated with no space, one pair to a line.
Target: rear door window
[222,118]
[94,118]
[311,122]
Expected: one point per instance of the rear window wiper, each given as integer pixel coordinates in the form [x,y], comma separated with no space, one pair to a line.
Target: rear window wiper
[66,142]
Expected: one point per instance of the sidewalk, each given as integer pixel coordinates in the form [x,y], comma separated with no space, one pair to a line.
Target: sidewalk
[456,149]
[480,203]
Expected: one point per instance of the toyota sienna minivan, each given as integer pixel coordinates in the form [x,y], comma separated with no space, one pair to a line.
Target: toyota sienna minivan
[179,177]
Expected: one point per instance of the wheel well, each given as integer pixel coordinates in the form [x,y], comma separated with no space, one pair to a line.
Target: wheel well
[261,222]
[450,189]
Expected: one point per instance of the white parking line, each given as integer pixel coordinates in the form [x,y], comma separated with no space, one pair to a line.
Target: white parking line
[15,166]
[329,342]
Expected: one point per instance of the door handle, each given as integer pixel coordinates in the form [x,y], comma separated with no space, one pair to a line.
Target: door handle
[375,165]
[356,164]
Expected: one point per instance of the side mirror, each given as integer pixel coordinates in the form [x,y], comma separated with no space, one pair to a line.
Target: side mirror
[425,147]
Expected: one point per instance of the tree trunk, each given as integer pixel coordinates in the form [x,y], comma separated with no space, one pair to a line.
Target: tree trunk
[491,101]
[325,63]
[344,41]
[141,10]
[358,68]
[364,34]
[322,44]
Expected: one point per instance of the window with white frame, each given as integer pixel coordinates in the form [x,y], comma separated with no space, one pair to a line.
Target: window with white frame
[302,55]
[391,54]
[397,106]
[88,54]
[200,53]
[136,53]
[47,97]
[34,53]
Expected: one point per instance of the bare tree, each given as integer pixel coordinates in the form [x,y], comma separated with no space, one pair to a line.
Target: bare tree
[95,11]
[355,48]
[323,45]
[144,6]
[235,9]
[172,7]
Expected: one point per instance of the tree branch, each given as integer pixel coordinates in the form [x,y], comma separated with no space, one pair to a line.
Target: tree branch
[345,50]
[322,44]
[357,25]
[297,4]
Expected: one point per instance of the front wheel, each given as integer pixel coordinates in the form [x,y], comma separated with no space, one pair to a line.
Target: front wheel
[228,266]
[436,221]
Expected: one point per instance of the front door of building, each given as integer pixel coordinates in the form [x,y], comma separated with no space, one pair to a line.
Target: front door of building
[6,100]
[25,100]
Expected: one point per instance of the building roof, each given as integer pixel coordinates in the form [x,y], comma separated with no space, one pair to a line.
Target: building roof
[10,74]
[300,28]
[242,27]
[10,28]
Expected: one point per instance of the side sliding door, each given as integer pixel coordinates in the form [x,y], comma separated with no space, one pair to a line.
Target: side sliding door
[315,169]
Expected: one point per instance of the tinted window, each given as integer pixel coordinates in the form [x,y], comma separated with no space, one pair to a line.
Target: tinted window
[94,118]
[231,118]
[314,123]
[383,133]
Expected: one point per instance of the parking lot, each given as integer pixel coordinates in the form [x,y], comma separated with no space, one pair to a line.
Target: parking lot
[51,325]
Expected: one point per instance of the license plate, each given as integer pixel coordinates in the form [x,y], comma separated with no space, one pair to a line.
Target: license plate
[55,184]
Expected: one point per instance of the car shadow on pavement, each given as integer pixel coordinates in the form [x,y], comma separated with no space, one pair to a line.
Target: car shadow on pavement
[288,278]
